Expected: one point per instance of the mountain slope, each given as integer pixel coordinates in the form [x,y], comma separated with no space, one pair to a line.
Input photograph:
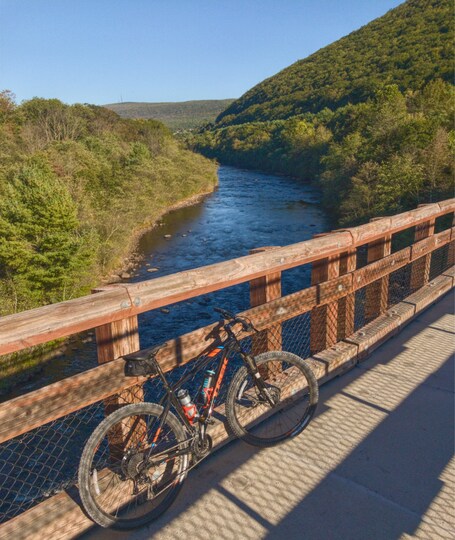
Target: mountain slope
[409,46]
[370,117]
[177,115]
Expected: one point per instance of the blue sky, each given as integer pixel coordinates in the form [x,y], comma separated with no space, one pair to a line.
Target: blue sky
[104,51]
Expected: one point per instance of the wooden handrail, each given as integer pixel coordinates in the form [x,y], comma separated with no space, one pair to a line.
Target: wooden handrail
[39,407]
[114,303]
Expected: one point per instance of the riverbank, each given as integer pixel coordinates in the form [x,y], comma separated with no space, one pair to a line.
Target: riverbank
[74,202]
[132,259]
[19,368]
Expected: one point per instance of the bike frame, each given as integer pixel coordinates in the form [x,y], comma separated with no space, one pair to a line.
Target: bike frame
[226,346]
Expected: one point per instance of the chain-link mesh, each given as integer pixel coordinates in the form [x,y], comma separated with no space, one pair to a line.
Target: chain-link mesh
[441,260]
[43,462]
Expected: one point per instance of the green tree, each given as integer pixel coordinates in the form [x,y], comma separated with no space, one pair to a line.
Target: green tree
[45,253]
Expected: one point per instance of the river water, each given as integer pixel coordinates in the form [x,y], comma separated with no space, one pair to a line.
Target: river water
[248,210]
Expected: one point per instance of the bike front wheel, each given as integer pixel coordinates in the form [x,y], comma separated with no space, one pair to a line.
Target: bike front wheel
[130,470]
[282,410]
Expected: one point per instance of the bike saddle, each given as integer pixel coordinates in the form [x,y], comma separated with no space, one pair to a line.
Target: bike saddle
[144,354]
[142,363]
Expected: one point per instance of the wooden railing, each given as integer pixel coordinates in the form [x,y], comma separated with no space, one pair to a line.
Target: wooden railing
[331,301]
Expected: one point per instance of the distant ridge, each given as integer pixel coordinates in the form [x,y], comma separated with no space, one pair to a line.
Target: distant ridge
[175,115]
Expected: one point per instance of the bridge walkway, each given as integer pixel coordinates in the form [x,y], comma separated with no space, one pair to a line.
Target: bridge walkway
[376,463]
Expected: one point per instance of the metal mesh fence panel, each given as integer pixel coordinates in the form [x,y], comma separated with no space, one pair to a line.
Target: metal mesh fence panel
[441,260]
[402,239]
[362,256]
[44,461]
[443,222]
[399,285]
[296,335]
[359,314]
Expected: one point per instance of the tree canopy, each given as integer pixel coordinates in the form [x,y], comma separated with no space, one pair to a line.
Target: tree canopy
[75,183]
[409,46]
[370,117]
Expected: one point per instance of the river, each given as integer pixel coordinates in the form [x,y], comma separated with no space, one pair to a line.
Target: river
[248,210]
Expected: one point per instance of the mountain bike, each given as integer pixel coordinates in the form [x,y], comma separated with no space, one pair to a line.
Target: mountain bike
[135,462]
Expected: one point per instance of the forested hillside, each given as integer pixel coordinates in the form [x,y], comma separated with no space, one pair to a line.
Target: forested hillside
[175,115]
[75,183]
[370,117]
[409,46]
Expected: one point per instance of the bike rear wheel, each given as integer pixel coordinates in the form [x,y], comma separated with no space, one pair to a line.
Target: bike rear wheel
[291,386]
[119,485]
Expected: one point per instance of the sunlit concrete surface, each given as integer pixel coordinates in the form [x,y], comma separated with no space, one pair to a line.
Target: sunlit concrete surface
[376,463]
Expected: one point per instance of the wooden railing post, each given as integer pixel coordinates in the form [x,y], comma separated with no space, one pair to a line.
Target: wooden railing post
[346,305]
[115,340]
[263,290]
[377,293]
[324,319]
[420,269]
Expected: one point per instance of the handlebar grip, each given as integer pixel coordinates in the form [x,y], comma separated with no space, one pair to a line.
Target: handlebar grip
[246,325]
[225,313]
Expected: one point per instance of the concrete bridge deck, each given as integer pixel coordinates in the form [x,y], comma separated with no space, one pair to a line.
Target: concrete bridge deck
[376,462]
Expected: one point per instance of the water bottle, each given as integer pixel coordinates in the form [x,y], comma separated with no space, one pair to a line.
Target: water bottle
[189,408]
[207,386]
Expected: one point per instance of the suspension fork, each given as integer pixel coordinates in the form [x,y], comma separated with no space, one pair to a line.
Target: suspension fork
[257,378]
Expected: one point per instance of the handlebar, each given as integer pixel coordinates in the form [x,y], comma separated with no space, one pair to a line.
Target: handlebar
[225,313]
[228,315]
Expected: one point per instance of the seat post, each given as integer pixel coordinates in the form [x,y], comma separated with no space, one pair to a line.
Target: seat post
[162,376]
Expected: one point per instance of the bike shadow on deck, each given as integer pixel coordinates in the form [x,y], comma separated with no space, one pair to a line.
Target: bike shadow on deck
[372,464]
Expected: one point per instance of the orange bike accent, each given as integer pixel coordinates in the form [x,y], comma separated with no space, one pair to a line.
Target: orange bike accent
[155,438]
[220,378]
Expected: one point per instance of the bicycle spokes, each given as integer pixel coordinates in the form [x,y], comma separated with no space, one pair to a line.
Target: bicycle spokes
[126,480]
[277,405]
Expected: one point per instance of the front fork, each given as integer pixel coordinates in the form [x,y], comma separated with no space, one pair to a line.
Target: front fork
[258,380]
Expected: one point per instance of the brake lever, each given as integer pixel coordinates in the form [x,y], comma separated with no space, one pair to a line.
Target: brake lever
[249,327]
